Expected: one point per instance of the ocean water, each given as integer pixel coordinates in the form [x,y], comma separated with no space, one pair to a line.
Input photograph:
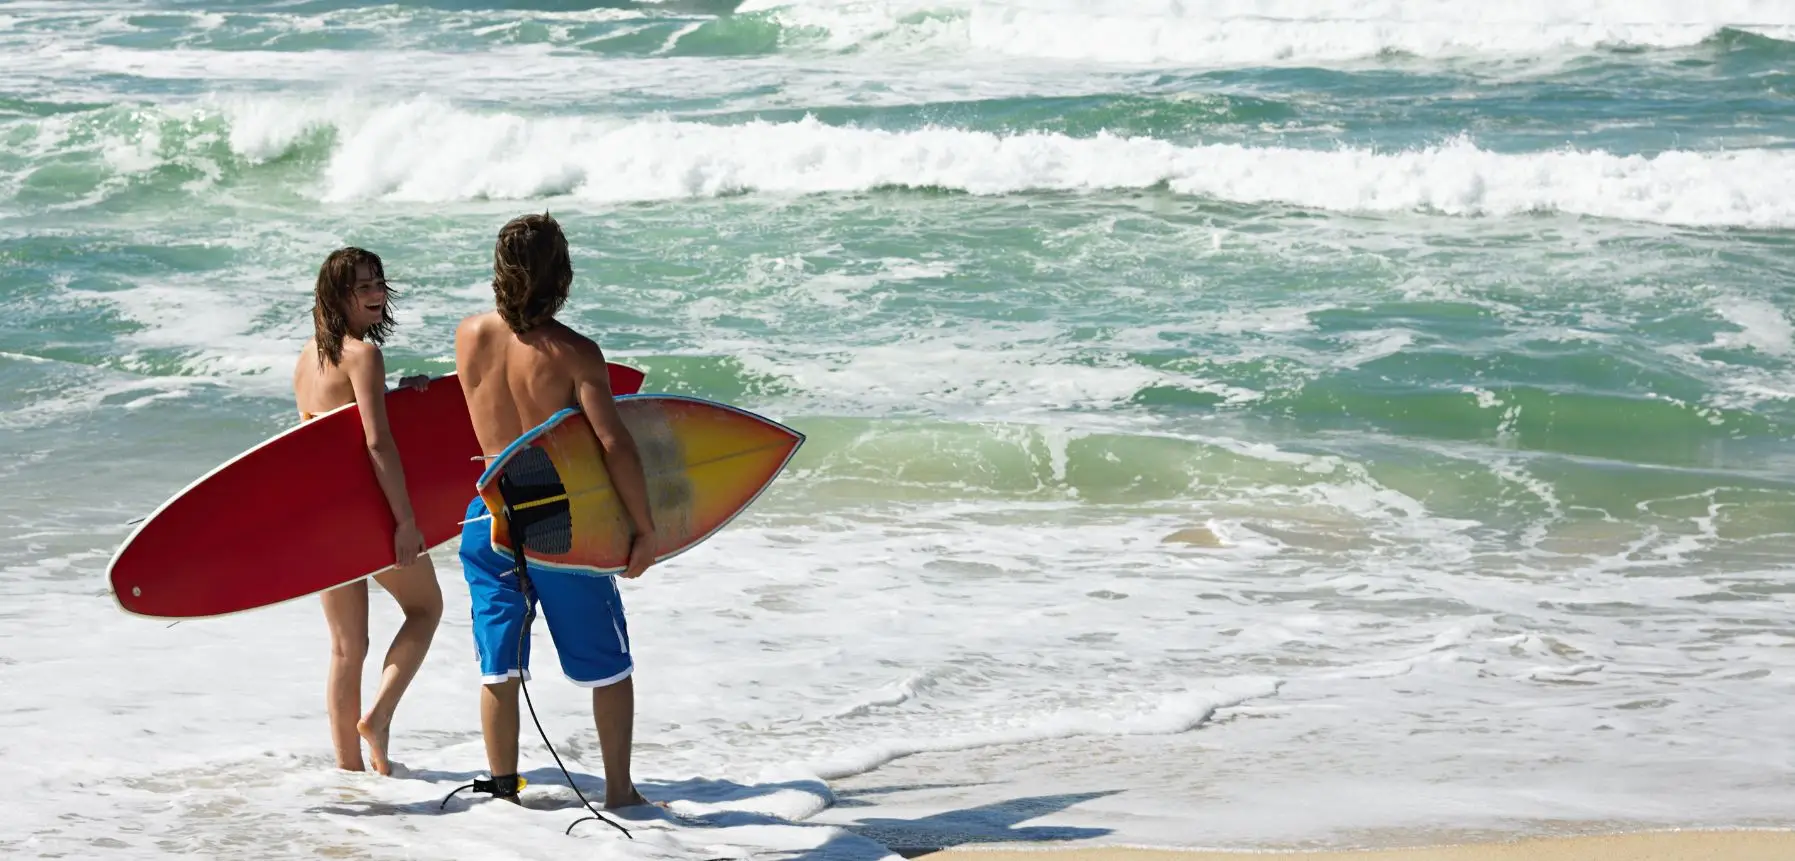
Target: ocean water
[1235,424]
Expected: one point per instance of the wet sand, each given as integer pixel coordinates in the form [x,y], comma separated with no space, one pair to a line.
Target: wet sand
[1720,845]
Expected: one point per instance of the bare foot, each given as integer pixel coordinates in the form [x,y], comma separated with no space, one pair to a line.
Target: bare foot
[376,737]
[634,799]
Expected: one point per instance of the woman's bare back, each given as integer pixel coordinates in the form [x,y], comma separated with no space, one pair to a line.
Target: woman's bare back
[318,389]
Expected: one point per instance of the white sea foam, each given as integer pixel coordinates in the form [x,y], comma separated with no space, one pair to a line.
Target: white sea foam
[1012,371]
[1753,325]
[425,150]
[797,661]
[515,76]
[1179,713]
[873,52]
[1761,326]
[1267,31]
[1109,31]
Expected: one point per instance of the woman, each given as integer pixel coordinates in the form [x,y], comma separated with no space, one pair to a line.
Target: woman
[342,364]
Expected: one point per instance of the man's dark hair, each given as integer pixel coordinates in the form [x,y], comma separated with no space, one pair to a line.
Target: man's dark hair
[531,271]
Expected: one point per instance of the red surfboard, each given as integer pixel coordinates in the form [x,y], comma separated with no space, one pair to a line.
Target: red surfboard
[302,512]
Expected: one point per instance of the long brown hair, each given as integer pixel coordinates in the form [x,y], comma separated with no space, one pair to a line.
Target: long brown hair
[530,271]
[336,287]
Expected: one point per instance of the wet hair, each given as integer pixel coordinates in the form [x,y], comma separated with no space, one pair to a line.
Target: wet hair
[530,271]
[331,298]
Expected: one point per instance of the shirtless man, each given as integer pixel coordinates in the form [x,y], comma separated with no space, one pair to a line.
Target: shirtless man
[518,366]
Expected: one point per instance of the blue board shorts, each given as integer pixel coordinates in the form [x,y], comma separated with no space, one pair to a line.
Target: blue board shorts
[584,612]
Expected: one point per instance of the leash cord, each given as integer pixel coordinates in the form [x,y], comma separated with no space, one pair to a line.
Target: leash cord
[523,583]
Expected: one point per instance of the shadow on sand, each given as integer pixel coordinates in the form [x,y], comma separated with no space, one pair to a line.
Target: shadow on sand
[864,839]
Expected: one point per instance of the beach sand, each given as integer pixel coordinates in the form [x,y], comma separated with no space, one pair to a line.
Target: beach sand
[1693,845]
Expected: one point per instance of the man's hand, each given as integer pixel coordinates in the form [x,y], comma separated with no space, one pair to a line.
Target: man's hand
[641,555]
[419,382]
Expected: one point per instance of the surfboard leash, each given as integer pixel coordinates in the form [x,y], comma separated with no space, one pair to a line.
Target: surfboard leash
[523,583]
[491,785]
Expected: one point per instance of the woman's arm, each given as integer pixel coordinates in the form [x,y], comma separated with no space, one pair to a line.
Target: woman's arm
[367,375]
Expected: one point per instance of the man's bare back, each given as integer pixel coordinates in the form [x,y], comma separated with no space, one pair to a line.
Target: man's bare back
[516,382]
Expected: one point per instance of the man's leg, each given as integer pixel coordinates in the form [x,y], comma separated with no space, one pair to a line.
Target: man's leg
[498,723]
[501,640]
[585,616]
[614,713]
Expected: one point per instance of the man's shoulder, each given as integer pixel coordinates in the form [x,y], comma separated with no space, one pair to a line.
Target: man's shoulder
[565,339]
[475,323]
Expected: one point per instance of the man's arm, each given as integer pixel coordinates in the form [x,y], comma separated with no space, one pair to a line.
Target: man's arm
[592,387]
[464,347]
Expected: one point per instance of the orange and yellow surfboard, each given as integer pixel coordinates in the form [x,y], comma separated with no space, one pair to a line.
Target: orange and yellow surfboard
[705,462]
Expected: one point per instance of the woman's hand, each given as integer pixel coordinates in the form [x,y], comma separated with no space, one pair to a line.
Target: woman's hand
[419,382]
[408,543]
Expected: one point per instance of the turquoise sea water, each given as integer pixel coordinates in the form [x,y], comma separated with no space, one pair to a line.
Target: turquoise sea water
[1211,407]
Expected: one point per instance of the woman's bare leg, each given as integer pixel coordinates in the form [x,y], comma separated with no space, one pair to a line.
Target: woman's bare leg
[415,588]
[346,611]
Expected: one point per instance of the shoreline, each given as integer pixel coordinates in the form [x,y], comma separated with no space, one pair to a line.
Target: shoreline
[1693,844]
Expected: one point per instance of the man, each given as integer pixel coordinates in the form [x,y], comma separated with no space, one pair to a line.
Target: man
[518,366]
